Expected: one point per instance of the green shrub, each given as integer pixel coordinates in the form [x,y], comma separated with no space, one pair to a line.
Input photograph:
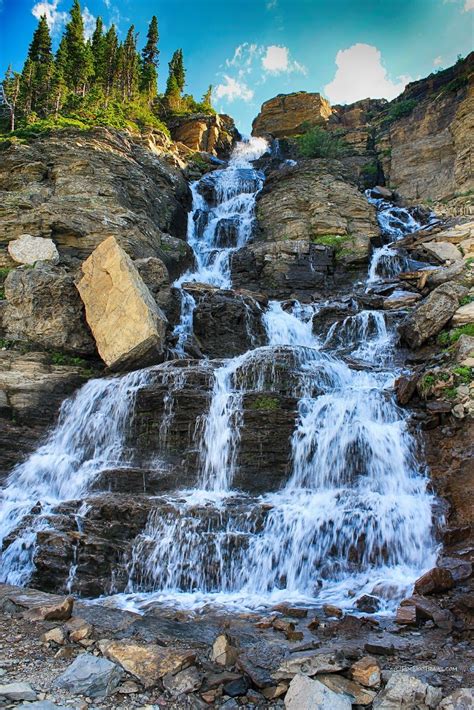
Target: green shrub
[400,109]
[266,404]
[452,336]
[318,143]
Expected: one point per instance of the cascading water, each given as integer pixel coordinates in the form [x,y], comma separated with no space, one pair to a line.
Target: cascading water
[354,516]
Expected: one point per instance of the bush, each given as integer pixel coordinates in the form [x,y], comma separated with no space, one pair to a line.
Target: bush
[318,143]
[401,109]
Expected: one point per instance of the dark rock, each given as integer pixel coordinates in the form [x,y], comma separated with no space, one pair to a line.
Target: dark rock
[368,603]
[379,648]
[406,615]
[435,581]
[405,388]
[236,687]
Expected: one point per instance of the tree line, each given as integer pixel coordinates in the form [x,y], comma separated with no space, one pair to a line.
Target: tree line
[100,79]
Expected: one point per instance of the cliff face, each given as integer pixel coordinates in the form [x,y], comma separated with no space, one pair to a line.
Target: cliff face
[215,134]
[420,144]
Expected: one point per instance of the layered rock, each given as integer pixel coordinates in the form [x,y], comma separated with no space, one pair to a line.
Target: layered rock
[78,188]
[289,114]
[128,326]
[214,134]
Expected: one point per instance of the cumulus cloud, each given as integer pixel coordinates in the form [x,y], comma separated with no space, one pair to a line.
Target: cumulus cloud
[54,17]
[468,5]
[89,21]
[244,56]
[360,74]
[437,61]
[276,60]
[232,89]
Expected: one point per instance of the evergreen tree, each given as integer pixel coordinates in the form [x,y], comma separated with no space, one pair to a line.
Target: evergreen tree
[111,61]
[129,66]
[207,98]
[59,90]
[27,88]
[10,93]
[176,80]
[98,47]
[150,55]
[41,55]
[77,64]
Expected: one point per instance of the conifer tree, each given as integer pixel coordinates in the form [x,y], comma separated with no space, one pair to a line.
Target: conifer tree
[176,80]
[129,66]
[207,98]
[59,90]
[98,45]
[10,93]
[150,55]
[111,61]
[27,88]
[40,53]
[77,65]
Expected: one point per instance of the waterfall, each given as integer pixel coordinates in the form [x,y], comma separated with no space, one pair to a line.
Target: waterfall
[354,515]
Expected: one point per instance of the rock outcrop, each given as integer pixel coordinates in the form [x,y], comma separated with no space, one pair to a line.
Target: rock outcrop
[289,114]
[77,188]
[214,133]
[431,316]
[128,326]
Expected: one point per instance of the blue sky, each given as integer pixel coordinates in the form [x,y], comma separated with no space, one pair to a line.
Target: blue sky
[251,50]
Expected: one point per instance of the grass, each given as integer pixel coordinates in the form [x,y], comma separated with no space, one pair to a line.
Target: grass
[266,404]
[464,373]
[318,143]
[452,336]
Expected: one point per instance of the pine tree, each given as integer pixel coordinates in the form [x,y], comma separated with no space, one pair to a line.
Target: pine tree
[77,66]
[176,80]
[27,88]
[59,90]
[98,46]
[150,53]
[207,98]
[41,55]
[10,93]
[111,61]
[129,66]
[179,70]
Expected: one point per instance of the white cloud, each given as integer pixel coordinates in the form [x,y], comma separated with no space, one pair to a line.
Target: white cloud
[437,61]
[107,4]
[468,5]
[277,59]
[271,4]
[89,21]
[360,74]
[54,17]
[232,90]
[244,56]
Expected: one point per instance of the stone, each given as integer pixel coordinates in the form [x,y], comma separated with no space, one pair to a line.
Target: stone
[463,315]
[17,691]
[295,612]
[380,648]
[314,624]
[366,671]
[147,663]
[400,299]
[29,250]
[185,681]
[368,603]
[405,388]
[236,688]
[428,609]
[42,705]
[61,611]
[79,631]
[432,314]
[461,699]
[91,676]
[407,691]
[128,326]
[434,581]
[339,684]
[406,615]
[383,192]
[309,664]
[307,694]
[223,652]
[464,348]
[283,625]
[44,308]
[275,691]
[444,251]
[460,569]
[286,114]
[331,610]
[54,636]
[214,134]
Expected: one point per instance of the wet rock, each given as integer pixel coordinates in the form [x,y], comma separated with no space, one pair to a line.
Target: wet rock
[283,625]
[306,694]
[91,676]
[405,388]
[380,648]
[331,610]
[294,612]
[432,315]
[368,603]
[400,299]
[310,664]
[17,691]
[434,581]
[214,680]
[366,671]
[462,699]
[44,308]
[61,611]
[314,624]
[223,652]
[406,615]
[185,681]
[28,250]
[460,569]
[381,192]
[128,327]
[456,272]
[428,609]
[407,691]
[339,684]
[147,663]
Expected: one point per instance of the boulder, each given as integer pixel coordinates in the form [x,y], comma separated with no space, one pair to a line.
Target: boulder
[339,684]
[306,694]
[288,114]
[210,133]
[366,671]
[461,699]
[400,299]
[44,308]
[443,251]
[128,326]
[435,581]
[464,347]
[54,612]
[368,603]
[431,316]
[183,682]
[28,250]
[427,609]
[223,652]
[407,692]
[309,664]
[17,691]
[147,663]
[406,615]
[464,315]
[91,676]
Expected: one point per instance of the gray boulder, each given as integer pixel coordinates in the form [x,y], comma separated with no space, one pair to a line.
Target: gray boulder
[430,317]
[17,691]
[407,692]
[462,699]
[307,694]
[91,676]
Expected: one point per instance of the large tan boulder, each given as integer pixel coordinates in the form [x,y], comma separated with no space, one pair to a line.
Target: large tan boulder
[128,326]
[215,134]
[286,114]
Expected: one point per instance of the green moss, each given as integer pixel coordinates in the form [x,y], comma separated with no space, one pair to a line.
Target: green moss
[452,336]
[465,300]
[331,240]
[58,358]
[266,404]
[464,374]
[450,393]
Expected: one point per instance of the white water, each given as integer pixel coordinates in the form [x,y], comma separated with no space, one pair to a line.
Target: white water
[354,515]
